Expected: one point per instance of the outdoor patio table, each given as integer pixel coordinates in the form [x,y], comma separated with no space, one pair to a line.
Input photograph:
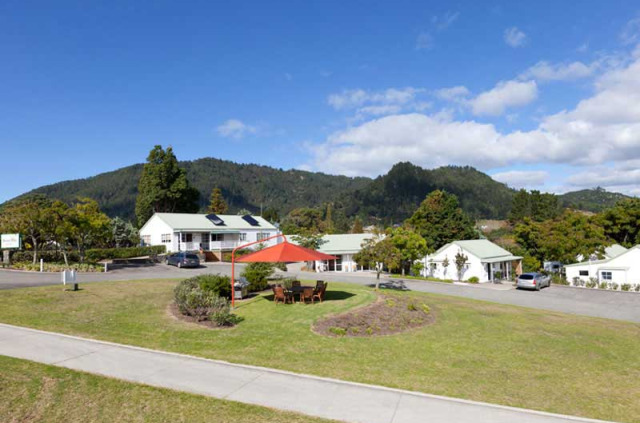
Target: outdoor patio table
[296,290]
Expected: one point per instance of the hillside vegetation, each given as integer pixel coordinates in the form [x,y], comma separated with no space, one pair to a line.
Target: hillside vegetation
[389,198]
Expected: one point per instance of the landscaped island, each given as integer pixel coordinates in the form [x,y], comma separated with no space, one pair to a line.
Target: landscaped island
[474,350]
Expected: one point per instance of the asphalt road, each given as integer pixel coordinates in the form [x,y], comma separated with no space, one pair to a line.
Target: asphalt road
[588,302]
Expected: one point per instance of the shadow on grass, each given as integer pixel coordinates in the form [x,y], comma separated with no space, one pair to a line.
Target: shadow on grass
[328,296]
[395,285]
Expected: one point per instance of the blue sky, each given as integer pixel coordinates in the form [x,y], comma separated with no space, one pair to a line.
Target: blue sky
[541,95]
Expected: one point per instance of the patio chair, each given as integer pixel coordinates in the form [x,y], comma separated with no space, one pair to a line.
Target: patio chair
[319,284]
[280,295]
[306,294]
[319,291]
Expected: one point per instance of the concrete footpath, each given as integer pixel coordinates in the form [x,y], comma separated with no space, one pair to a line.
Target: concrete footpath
[314,396]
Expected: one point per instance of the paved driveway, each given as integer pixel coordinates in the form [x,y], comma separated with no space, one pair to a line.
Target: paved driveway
[588,302]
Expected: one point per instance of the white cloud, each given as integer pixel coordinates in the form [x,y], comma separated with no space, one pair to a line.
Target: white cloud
[504,95]
[602,129]
[545,71]
[514,37]
[349,99]
[234,128]
[522,178]
[630,34]
[444,21]
[453,94]
[623,177]
[424,41]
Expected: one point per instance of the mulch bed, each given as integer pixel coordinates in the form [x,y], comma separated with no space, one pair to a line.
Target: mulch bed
[174,312]
[389,315]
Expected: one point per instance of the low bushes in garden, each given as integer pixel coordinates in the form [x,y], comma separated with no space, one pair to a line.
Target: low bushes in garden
[98,254]
[202,304]
[390,314]
[58,267]
[473,279]
[257,275]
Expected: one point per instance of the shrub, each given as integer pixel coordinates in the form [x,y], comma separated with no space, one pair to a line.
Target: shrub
[338,331]
[425,308]
[592,283]
[560,280]
[473,279]
[257,274]
[97,254]
[625,287]
[58,267]
[226,255]
[220,313]
[416,268]
[412,307]
[218,284]
[602,285]
[192,300]
[52,256]
[497,274]
[638,287]
[280,266]
[613,286]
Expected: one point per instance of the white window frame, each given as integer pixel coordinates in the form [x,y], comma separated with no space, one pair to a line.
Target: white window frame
[243,236]
[606,275]
[165,238]
[146,239]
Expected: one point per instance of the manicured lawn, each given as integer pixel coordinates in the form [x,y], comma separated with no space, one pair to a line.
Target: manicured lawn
[34,392]
[475,350]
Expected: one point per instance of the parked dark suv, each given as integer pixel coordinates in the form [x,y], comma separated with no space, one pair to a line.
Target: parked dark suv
[183,260]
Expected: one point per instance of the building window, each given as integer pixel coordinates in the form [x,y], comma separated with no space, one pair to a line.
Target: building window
[606,276]
[263,235]
[186,237]
[243,236]
[217,237]
[584,273]
[146,239]
[165,238]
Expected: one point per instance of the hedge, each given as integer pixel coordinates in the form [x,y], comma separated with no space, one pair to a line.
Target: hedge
[91,255]
[97,254]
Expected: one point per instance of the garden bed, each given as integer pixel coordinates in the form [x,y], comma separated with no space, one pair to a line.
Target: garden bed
[389,315]
[173,311]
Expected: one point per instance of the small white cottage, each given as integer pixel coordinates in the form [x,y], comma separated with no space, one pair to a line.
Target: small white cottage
[205,232]
[344,247]
[621,266]
[485,261]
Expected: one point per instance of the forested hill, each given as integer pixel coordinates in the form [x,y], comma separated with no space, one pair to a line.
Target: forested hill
[246,186]
[593,200]
[395,196]
[389,198]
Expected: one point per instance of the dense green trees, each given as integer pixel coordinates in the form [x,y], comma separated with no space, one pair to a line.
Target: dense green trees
[217,204]
[163,187]
[564,238]
[622,222]
[63,228]
[28,217]
[357,228]
[377,253]
[410,245]
[440,220]
[534,205]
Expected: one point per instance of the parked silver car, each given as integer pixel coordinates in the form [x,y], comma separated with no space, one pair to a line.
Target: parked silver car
[183,260]
[533,281]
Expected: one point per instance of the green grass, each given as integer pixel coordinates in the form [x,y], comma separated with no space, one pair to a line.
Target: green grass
[421,278]
[34,392]
[475,350]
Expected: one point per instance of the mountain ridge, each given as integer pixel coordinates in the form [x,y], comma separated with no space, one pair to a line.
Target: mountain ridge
[388,198]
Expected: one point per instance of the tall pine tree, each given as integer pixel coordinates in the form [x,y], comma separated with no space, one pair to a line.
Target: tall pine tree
[164,187]
[216,202]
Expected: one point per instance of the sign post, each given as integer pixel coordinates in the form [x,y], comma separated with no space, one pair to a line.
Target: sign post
[9,242]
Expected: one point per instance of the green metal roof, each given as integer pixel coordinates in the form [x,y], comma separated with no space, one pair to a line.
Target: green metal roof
[484,249]
[343,243]
[200,223]
[614,250]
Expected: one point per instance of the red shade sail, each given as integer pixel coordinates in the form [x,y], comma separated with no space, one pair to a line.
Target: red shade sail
[284,252]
